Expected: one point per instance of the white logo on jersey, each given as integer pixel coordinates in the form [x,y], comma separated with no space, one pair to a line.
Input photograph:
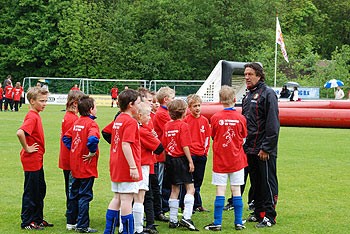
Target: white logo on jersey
[228,135]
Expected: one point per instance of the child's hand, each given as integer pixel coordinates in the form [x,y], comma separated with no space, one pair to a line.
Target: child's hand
[88,157]
[32,148]
[134,173]
[191,167]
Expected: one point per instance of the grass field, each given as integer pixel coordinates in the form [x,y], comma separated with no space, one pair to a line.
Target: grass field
[313,171]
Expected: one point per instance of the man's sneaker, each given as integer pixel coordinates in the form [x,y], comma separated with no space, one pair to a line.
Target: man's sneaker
[229,206]
[44,223]
[33,226]
[201,209]
[151,229]
[162,218]
[239,227]
[264,223]
[71,227]
[86,230]
[173,224]
[188,223]
[252,218]
[212,227]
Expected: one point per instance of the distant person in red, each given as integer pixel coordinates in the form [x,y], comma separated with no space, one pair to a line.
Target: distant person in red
[1,95]
[8,96]
[114,95]
[17,94]
[75,87]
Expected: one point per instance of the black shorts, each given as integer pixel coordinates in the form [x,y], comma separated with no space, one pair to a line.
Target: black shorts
[177,170]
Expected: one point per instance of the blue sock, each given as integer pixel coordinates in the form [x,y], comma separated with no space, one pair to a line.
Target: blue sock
[218,208]
[112,220]
[128,224]
[238,206]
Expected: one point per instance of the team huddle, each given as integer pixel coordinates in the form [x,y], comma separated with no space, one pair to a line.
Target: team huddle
[158,155]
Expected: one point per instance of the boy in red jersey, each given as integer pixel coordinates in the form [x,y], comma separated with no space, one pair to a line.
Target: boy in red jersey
[8,96]
[31,137]
[1,96]
[114,95]
[17,93]
[67,122]
[229,128]
[125,162]
[82,139]
[200,135]
[179,164]
[164,96]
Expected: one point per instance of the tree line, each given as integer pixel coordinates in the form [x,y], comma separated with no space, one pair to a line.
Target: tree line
[164,39]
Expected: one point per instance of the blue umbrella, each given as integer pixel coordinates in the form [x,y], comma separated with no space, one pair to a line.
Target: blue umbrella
[333,83]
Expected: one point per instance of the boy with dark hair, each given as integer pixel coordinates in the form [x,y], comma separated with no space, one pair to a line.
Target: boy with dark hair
[200,135]
[8,96]
[229,129]
[179,164]
[31,137]
[125,162]
[82,140]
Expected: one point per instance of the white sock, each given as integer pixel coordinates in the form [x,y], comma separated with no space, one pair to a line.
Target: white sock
[188,201]
[120,224]
[137,211]
[174,209]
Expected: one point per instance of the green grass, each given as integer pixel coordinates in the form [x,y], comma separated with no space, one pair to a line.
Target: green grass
[313,172]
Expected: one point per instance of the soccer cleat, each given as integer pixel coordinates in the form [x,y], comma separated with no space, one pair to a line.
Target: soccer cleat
[264,223]
[33,226]
[188,223]
[229,206]
[239,227]
[86,230]
[173,224]
[162,218]
[252,218]
[212,227]
[71,227]
[201,209]
[44,223]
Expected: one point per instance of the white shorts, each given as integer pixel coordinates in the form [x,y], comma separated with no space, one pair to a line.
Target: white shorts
[143,184]
[236,178]
[125,187]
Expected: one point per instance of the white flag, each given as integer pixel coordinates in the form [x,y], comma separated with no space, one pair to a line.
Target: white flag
[279,40]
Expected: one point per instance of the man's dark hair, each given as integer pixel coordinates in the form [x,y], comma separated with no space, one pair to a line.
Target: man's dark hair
[259,71]
[127,96]
[85,104]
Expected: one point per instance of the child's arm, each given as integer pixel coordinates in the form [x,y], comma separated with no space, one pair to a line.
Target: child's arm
[134,173]
[22,139]
[189,158]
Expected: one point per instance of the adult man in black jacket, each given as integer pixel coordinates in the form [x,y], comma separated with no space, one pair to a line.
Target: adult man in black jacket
[260,107]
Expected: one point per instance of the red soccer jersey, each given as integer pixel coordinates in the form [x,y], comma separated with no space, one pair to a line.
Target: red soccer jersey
[160,119]
[82,129]
[123,129]
[1,93]
[229,128]
[114,92]
[17,92]
[200,134]
[176,136]
[67,122]
[8,92]
[149,143]
[33,128]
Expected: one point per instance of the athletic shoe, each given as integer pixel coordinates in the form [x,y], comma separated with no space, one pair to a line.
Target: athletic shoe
[86,230]
[252,218]
[44,223]
[212,227]
[251,206]
[188,223]
[239,227]
[173,224]
[266,222]
[33,226]
[229,206]
[151,229]
[71,227]
[162,218]
[201,209]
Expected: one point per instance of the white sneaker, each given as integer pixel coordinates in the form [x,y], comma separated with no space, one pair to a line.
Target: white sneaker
[71,227]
